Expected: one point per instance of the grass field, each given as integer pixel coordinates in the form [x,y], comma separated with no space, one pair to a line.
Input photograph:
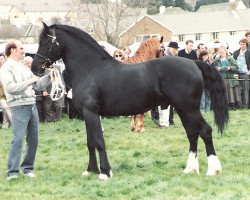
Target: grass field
[145,166]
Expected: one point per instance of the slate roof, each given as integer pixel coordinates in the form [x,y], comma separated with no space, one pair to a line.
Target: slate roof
[217,7]
[203,22]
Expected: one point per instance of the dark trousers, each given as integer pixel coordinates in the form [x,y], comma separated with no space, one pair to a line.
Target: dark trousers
[244,93]
[171,115]
[39,105]
[155,115]
[52,109]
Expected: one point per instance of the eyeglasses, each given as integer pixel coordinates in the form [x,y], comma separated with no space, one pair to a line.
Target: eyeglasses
[118,55]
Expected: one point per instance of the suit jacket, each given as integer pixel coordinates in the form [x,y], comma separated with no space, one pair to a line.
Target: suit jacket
[192,55]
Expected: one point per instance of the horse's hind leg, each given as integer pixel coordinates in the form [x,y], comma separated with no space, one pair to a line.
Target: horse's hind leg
[140,124]
[196,126]
[133,123]
[95,141]
[214,165]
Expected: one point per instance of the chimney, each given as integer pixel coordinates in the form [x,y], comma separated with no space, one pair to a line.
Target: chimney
[162,9]
[232,4]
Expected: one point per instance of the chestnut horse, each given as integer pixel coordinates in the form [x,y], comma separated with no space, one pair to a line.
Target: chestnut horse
[150,49]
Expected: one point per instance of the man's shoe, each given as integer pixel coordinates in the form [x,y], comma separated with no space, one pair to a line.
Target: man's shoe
[12,177]
[30,174]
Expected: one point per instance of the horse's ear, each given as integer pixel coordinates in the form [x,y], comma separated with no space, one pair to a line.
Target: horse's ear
[46,28]
[161,39]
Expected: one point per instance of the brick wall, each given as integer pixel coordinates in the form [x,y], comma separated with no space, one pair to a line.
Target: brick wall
[144,26]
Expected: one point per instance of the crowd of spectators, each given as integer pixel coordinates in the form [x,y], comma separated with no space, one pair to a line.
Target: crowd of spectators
[234,68]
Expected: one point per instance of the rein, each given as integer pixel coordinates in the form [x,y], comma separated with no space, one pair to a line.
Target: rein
[58,89]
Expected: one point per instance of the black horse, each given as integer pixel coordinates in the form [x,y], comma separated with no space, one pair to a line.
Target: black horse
[103,86]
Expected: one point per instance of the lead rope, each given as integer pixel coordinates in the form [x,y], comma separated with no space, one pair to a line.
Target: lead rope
[57,90]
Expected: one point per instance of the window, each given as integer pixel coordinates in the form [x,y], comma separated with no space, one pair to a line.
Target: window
[232,32]
[215,36]
[181,38]
[90,31]
[198,36]
[145,37]
[141,38]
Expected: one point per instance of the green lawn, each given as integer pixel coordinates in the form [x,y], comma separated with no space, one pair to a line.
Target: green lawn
[145,166]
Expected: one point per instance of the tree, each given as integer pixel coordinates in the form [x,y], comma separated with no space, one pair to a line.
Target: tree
[153,6]
[107,19]
[56,20]
[182,4]
[247,3]
[168,3]
[207,2]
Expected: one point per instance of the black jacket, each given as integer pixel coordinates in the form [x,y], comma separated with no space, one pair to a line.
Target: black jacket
[192,55]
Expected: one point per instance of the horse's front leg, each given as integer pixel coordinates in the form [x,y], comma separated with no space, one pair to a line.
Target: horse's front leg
[92,166]
[95,141]
[191,124]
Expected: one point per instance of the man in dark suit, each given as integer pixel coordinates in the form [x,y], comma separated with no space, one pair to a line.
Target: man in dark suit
[188,51]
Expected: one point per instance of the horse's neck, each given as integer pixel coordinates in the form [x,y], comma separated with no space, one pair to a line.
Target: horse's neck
[141,57]
[82,55]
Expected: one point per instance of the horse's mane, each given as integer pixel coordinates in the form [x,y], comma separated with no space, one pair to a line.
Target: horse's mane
[80,35]
[147,51]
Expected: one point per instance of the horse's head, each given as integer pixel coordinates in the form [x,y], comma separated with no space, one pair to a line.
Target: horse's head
[148,50]
[48,52]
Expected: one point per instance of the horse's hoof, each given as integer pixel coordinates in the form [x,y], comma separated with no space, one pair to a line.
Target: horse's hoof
[193,171]
[86,173]
[212,172]
[214,166]
[105,177]
[192,164]
[141,130]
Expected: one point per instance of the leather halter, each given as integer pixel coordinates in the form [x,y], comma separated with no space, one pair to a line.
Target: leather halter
[162,49]
[53,41]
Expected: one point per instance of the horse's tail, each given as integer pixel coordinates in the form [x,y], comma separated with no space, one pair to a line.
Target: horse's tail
[213,83]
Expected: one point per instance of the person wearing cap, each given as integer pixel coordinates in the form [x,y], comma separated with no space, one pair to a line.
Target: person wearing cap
[188,51]
[172,49]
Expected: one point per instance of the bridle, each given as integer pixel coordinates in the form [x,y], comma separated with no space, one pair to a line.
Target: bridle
[53,41]
[58,88]
[162,50]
